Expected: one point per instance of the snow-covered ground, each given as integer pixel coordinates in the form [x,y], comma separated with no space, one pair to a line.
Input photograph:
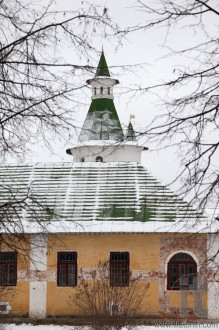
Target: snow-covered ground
[68,327]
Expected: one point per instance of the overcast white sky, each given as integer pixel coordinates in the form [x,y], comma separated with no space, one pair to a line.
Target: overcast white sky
[141,47]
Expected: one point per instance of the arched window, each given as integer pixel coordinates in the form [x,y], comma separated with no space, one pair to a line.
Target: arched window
[181,271]
[99,159]
[82,159]
[95,90]
[101,90]
[108,90]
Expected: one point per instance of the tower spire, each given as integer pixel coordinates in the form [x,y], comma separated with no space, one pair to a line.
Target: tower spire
[102,69]
[130,135]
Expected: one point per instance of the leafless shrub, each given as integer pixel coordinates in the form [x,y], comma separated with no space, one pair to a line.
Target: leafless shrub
[108,306]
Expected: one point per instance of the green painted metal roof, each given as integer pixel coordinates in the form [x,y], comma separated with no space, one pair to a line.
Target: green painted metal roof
[130,135]
[102,122]
[88,191]
[102,69]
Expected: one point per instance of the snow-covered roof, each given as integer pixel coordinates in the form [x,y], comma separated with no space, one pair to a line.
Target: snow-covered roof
[102,122]
[93,197]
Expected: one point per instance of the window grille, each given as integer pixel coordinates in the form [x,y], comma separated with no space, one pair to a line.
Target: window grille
[181,272]
[119,268]
[8,268]
[67,269]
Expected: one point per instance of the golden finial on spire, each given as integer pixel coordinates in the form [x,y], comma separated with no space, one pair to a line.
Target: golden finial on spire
[132,116]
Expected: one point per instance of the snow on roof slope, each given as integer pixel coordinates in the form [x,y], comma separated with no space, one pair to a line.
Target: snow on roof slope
[93,197]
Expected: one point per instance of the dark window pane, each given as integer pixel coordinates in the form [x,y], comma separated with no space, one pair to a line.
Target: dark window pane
[119,256]
[62,279]
[173,269]
[182,256]
[11,268]
[191,272]
[173,281]
[71,274]
[63,257]
[191,269]
[183,280]
[114,256]
[62,269]
[115,274]
[71,279]
[3,279]
[124,274]
[11,279]
[71,269]
[12,256]
[2,268]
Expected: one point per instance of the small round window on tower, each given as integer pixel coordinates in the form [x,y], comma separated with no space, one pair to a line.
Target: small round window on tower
[82,159]
[99,159]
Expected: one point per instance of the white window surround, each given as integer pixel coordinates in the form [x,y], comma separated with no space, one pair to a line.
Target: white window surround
[116,305]
[176,252]
[8,307]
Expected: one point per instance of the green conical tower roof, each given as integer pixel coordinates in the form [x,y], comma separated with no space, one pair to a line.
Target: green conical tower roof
[102,121]
[102,69]
[130,135]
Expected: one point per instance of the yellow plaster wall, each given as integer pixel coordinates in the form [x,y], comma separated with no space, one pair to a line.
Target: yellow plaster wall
[93,248]
[17,296]
[144,255]
[151,300]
